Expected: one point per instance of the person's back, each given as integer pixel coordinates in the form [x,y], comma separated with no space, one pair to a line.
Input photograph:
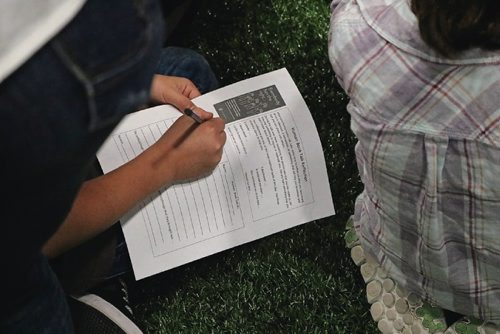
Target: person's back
[425,107]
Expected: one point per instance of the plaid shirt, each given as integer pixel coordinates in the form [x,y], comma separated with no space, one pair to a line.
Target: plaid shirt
[428,153]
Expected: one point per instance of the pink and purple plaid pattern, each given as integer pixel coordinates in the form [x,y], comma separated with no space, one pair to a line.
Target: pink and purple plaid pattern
[428,153]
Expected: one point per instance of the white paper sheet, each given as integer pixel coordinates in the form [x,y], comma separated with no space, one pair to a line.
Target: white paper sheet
[272,176]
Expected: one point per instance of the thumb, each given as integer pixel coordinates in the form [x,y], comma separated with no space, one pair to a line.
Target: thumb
[180,101]
[204,115]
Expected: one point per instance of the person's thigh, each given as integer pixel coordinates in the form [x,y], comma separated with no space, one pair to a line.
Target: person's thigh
[44,309]
[57,109]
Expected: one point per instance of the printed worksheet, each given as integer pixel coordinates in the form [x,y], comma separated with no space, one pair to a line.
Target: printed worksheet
[272,175]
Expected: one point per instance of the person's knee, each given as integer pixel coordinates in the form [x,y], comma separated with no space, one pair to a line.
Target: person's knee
[190,64]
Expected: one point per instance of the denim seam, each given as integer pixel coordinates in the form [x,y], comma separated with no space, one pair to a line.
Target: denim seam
[80,75]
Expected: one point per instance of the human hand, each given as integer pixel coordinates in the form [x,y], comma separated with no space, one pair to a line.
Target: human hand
[178,92]
[188,150]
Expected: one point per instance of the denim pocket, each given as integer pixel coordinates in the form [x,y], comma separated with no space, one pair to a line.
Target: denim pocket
[111,48]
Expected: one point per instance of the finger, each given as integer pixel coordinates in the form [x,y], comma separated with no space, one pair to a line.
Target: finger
[179,101]
[191,90]
[219,123]
[224,137]
[203,114]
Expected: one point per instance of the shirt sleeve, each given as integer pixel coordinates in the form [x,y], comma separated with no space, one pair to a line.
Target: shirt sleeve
[334,4]
[345,23]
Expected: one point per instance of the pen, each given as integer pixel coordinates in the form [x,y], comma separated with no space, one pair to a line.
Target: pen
[193,115]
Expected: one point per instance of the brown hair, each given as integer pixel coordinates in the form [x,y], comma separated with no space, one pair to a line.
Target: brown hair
[451,26]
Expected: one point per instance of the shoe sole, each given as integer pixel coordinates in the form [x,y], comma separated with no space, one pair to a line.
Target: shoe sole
[110,311]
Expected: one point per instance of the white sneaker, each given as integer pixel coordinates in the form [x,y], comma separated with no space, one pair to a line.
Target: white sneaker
[105,312]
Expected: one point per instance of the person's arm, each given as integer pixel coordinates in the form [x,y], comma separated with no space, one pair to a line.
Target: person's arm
[185,151]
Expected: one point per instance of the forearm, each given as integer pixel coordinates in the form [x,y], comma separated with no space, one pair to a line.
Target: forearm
[185,152]
[103,201]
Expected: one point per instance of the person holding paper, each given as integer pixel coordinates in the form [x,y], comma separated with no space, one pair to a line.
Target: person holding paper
[423,78]
[69,72]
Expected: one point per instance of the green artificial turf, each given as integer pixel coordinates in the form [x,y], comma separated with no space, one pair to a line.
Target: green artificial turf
[298,281]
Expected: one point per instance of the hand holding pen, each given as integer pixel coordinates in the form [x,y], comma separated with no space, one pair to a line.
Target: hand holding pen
[190,149]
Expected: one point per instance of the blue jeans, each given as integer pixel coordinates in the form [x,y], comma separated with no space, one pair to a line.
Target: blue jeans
[186,63]
[56,110]
[54,121]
